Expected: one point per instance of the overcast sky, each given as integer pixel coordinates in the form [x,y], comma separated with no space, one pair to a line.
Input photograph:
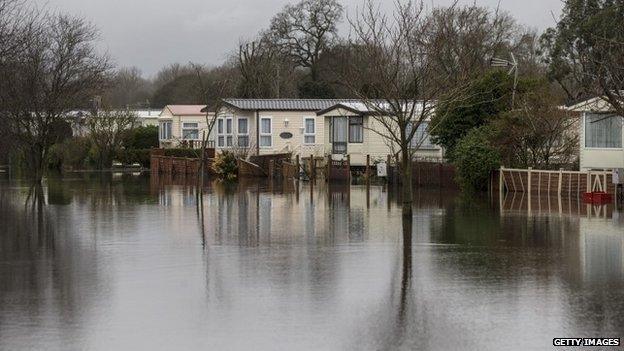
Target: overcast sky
[149,34]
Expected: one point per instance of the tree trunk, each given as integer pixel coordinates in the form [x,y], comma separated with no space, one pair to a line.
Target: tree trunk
[313,72]
[406,177]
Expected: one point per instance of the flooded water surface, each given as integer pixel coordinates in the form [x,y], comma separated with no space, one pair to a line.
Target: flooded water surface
[125,262]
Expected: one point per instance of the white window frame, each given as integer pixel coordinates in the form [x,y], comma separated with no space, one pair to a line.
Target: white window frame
[223,133]
[163,130]
[264,134]
[584,131]
[220,135]
[193,128]
[305,132]
[239,134]
[424,136]
[229,136]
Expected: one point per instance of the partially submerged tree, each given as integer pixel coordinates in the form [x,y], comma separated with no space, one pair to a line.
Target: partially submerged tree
[476,158]
[305,30]
[539,133]
[107,131]
[56,70]
[397,85]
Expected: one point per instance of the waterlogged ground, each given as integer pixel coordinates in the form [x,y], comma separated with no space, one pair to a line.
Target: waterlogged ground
[123,262]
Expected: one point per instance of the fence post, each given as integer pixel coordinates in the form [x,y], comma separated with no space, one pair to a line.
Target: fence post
[271,169]
[312,167]
[388,159]
[367,167]
[297,165]
[329,167]
[440,175]
[588,186]
[529,179]
[560,181]
[349,168]
[501,186]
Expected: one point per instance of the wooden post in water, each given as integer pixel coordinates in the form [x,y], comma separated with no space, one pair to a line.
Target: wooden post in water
[501,185]
[529,189]
[367,181]
[588,186]
[312,168]
[560,181]
[298,165]
[349,168]
[271,168]
[501,188]
[388,159]
[329,168]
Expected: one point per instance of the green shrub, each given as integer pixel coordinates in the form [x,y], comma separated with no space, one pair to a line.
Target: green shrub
[72,153]
[225,165]
[141,138]
[189,153]
[475,159]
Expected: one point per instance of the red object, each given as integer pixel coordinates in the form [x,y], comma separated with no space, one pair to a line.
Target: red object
[597,197]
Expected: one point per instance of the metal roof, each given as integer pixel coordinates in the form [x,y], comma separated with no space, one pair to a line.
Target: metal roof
[286,104]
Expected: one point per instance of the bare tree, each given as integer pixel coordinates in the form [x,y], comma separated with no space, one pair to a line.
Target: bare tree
[169,73]
[305,30]
[106,132]
[128,89]
[213,91]
[57,70]
[264,71]
[466,38]
[399,84]
[539,133]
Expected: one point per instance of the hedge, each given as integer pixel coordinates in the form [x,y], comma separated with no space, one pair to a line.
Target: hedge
[188,153]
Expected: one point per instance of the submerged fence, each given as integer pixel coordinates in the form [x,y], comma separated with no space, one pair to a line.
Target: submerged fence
[571,183]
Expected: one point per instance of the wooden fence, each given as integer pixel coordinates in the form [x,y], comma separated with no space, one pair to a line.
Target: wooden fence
[338,169]
[571,183]
[436,174]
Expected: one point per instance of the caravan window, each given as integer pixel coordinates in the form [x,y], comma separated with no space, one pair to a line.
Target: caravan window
[243,132]
[190,131]
[309,130]
[356,129]
[266,128]
[603,131]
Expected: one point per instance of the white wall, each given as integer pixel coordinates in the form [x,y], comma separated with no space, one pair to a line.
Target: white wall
[177,125]
[599,158]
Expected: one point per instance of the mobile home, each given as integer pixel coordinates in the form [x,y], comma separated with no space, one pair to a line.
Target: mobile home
[601,135]
[305,127]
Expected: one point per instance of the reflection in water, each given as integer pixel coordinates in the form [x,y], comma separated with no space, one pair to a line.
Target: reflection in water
[406,271]
[129,262]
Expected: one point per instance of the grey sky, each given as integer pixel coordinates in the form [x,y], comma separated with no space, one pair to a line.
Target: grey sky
[149,34]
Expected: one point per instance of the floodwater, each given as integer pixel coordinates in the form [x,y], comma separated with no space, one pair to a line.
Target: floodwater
[125,262]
